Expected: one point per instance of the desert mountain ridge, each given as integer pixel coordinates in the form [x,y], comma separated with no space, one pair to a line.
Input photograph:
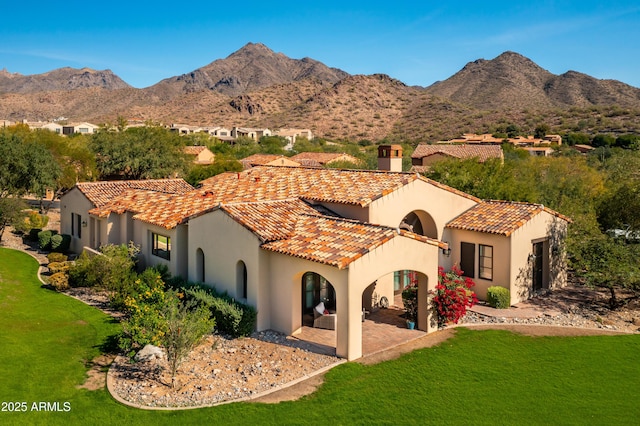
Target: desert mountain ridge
[256,87]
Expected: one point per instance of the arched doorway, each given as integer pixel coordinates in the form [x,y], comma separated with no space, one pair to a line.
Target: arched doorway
[316,289]
[421,223]
[200,277]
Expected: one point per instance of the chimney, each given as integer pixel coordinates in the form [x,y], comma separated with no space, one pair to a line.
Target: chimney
[390,158]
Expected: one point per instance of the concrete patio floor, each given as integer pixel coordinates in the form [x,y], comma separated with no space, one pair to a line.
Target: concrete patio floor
[381,330]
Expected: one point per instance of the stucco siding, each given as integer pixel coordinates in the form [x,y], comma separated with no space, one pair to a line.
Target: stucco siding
[75,202]
[501,259]
[440,204]
[223,249]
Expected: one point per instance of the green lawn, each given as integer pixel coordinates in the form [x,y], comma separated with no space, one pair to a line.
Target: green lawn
[488,377]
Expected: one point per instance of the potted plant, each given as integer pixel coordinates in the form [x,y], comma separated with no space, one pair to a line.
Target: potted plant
[410,302]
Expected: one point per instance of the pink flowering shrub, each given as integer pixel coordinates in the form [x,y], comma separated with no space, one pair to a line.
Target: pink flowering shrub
[453,296]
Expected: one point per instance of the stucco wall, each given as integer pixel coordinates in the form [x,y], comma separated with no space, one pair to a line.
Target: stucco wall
[440,204]
[501,259]
[543,227]
[224,243]
[75,202]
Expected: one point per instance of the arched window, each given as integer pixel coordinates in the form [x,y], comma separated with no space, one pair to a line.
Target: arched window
[200,265]
[241,280]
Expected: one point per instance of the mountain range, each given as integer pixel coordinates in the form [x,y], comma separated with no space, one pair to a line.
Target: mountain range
[256,87]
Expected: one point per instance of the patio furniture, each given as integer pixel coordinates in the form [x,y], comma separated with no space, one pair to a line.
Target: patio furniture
[322,319]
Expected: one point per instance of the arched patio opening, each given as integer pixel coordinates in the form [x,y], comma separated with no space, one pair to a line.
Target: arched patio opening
[315,290]
[421,223]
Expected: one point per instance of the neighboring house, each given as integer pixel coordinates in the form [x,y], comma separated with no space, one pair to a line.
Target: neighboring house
[251,133]
[71,128]
[6,123]
[425,155]
[323,159]
[284,239]
[292,134]
[201,154]
[488,139]
[267,160]
[539,151]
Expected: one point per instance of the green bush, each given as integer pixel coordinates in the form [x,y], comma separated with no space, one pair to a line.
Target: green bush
[57,257]
[56,267]
[232,318]
[44,239]
[59,281]
[113,270]
[33,234]
[33,220]
[60,242]
[498,297]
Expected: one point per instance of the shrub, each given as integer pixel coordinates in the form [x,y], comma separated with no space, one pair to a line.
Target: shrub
[59,281]
[44,239]
[33,220]
[60,242]
[498,297]
[113,270]
[453,295]
[57,257]
[33,234]
[231,317]
[56,267]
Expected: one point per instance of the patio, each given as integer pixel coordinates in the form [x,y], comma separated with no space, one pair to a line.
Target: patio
[382,329]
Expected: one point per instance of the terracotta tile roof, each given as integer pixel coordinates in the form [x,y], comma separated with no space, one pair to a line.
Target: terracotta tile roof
[132,200]
[194,150]
[266,159]
[323,157]
[269,220]
[355,187]
[499,217]
[482,152]
[333,241]
[100,193]
[265,183]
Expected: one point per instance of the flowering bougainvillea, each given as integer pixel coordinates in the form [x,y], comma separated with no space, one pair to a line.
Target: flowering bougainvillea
[453,295]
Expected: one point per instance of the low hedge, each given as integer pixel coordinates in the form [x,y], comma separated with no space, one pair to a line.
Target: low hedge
[498,297]
[233,318]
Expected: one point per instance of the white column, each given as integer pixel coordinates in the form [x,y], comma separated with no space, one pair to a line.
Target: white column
[349,324]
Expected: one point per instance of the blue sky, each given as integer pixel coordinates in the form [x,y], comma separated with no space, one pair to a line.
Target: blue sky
[416,42]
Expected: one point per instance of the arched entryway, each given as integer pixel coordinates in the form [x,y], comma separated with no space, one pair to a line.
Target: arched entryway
[200,276]
[421,223]
[316,289]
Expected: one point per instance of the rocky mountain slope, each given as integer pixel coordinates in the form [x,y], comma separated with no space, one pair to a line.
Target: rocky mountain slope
[59,79]
[511,80]
[256,87]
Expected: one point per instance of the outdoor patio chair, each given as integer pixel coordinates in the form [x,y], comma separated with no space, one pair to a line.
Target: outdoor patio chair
[322,319]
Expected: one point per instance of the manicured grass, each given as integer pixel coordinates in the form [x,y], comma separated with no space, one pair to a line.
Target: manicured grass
[488,377]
